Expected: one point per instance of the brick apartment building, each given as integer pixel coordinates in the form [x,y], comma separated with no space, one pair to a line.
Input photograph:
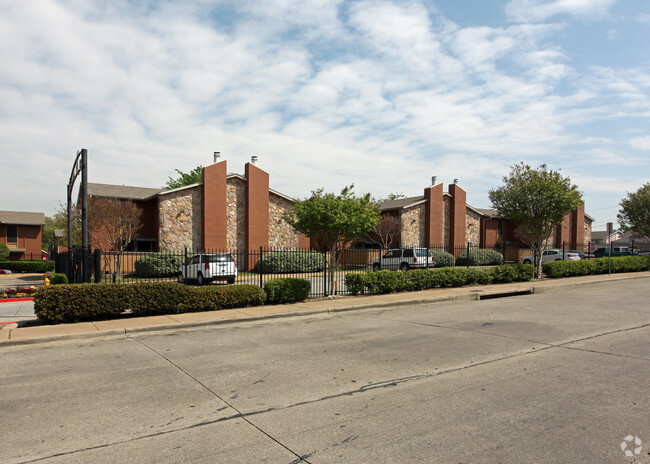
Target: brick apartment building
[22,233]
[235,212]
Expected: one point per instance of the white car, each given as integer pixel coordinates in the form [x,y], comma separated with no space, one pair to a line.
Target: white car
[553,254]
[404,259]
[208,267]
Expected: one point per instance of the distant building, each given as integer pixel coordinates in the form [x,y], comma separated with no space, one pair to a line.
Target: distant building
[22,232]
[445,220]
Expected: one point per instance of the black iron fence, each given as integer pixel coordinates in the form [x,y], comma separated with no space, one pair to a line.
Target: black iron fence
[325,272]
[257,266]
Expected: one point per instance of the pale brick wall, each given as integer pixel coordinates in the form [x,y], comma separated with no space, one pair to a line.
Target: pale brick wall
[446,220]
[587,236]
[473,227]
[281,234]
[180,220]
[236,214]
[412,226]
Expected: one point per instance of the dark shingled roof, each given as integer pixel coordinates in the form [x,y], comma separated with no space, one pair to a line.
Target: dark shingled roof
[488,212]
[21,218]
[400,203]
[121,191]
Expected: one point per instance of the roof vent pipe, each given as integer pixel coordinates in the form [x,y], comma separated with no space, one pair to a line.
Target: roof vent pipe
[455,181]
[433,180]
[254,160]
[217,156]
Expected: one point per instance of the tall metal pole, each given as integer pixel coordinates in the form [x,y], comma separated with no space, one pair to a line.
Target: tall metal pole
[69,270]
[85,248]
[80,165]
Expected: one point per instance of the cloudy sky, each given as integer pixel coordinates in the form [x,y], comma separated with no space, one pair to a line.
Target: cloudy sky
[382,94]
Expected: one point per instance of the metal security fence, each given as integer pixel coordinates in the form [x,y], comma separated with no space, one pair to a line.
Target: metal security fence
[325,272]
[257,266]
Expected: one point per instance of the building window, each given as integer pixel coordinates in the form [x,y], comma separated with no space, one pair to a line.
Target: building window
[12,235]
[499,227]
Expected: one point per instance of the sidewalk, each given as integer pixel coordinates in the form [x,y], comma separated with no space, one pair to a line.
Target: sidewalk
[11,334]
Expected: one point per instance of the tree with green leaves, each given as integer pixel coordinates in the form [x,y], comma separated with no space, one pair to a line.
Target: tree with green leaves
[391,197]
[334,220]
[536,200]
[183,179]
[60,221]
[4,251]
[634,215]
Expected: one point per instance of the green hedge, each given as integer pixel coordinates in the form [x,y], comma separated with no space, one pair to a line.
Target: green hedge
[480,257]
[57,279]
[556,269]
[277,262]
[35,266]
[422,279]
[90,302]
[4,251]
[286,290]
[158,265]
[442,258]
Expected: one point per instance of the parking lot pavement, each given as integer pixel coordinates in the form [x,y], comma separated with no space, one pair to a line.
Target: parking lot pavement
[16,311]
[559,376]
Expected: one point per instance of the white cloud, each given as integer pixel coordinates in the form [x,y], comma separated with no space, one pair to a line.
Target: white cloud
[642,143]
[325,93]
[536,10]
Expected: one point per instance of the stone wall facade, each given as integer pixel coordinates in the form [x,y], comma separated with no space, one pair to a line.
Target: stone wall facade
[180,220]
[587,235]
[281,234]
[236,215]
[446,222]
[473,227]
[412,226]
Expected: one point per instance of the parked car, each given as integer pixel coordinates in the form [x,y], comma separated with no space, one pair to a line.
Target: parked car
[616,251]
[404,259]
[554,254]
[582,254]
[208,267]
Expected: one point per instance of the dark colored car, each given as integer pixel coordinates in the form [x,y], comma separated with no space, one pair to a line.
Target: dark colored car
[616,251]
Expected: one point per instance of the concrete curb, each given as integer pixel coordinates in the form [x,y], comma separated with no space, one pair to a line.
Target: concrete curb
[393,300]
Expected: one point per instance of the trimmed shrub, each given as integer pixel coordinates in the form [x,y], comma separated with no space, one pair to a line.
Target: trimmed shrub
[506,273]
[59,278]
[157,265]
[557,269]
[277,262]
[35,266]
[422,279]
[480,257]
[442,258]
[89,302]
[4,251]
[286,290]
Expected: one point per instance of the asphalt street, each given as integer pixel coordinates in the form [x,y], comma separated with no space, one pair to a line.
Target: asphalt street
[556,377]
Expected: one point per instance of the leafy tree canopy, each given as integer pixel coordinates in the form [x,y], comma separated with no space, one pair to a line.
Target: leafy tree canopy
[334,220]
[635,212]
[4,251]
[391,197]
[536,200]
[192,177]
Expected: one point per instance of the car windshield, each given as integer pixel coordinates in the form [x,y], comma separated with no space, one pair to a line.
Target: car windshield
[218,258]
